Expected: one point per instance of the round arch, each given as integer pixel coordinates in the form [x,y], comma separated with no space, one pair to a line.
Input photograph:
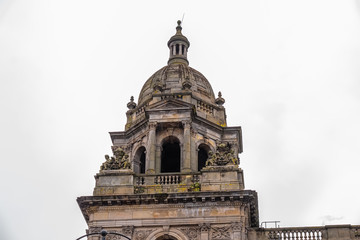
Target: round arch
[171,234]
[203,154]
[140,160]
[170,155]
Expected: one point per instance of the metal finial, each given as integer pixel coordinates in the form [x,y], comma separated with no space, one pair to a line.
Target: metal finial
[179,23]
[219,94]
[132,98]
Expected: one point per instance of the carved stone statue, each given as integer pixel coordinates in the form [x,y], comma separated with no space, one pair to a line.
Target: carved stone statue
[125,163]
[224,155]
[120,160]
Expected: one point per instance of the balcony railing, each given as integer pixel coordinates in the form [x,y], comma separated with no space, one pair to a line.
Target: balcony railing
[166,178]
[308,233]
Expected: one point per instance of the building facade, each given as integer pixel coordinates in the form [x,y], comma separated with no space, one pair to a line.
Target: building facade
[175,173]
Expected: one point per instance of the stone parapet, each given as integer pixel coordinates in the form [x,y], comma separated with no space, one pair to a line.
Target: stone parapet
[222,178]
[328,232]
[114,182]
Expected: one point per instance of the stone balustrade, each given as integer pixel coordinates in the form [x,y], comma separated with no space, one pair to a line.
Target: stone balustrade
[311,233]
[166,183]
[328,232]
[125,181]
[204,107]
[166,179]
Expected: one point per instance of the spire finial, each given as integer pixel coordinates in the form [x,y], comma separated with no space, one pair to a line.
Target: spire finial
[131,104]
[178,28]
[220,100]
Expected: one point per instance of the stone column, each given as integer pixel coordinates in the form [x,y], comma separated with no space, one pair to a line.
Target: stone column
[158,159]
[150,161]
[187,147]
[194,153]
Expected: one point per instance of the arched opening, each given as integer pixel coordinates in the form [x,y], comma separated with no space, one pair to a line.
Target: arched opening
[183,49]
[140,160]
[177,49]
[166,237]
[170,155]
[203,154]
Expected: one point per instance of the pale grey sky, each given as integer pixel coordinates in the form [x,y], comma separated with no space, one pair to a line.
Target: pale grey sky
[288,70]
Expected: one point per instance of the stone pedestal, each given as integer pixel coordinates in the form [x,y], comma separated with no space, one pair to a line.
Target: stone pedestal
[221,178]
[114,182]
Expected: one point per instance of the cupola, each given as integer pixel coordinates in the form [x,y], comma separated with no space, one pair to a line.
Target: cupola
[178,45]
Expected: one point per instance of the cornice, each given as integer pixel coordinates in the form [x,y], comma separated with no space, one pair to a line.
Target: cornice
[199,199]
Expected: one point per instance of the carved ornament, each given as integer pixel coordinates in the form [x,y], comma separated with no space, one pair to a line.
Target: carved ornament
[204,227]
[142,234]
[120,160]
[224,155]
[191,232]
[94,230]
[220,232]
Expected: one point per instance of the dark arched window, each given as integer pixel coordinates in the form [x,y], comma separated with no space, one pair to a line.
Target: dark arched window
[166,237]
[140,160]
[177,49]
[203,154]
[170,155]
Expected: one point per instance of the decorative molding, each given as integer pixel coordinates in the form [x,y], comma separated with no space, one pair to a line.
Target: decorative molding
[191,232]
[236,226]
[152,125]
[204,227]
[94,230]
[221,232]
[186,123]
[127,230]
[198,204]
[141,234]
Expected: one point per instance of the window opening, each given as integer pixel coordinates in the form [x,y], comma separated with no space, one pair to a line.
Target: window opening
[140,160]
[170,156]
[202,156]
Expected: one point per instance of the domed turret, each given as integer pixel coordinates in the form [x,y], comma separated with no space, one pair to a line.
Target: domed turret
[177,76]
[178,45]
[179,81]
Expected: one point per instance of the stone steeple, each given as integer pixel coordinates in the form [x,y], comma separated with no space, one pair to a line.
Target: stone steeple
[174,173]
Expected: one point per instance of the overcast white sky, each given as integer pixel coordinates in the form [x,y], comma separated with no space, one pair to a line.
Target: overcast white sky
[288,70]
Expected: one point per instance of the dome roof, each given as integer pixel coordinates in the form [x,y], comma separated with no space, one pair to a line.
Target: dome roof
[179,36]
[177,78]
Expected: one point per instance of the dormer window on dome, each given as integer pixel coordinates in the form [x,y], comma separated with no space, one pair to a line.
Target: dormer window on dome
[178,45]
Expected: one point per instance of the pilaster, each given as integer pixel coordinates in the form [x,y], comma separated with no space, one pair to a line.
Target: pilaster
[150,164]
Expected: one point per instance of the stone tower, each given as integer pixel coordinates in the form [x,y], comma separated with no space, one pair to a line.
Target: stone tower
[174,173]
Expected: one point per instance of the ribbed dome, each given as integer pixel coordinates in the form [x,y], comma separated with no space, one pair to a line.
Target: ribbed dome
[177,78]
